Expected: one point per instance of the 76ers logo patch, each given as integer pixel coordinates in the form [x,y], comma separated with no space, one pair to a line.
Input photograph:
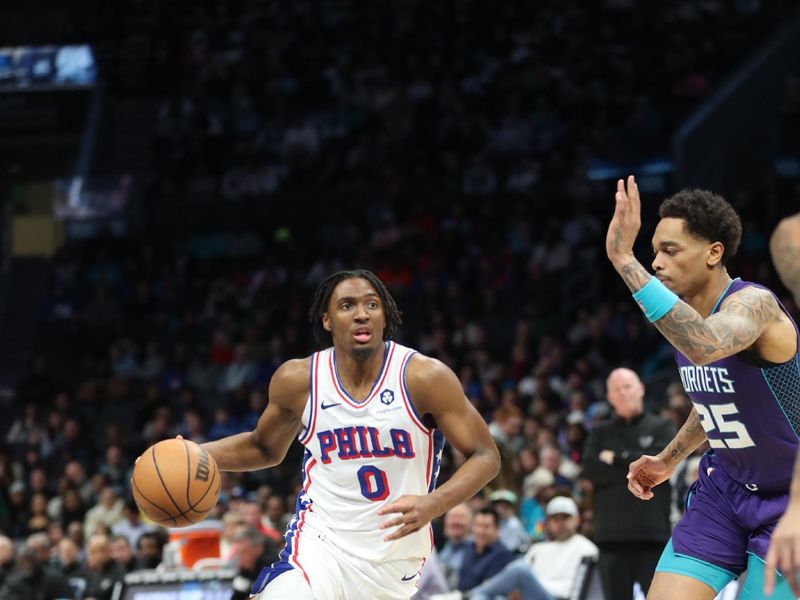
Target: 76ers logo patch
[387,397]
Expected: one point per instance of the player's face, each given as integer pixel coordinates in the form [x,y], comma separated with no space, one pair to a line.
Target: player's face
[355,317]
[682,262]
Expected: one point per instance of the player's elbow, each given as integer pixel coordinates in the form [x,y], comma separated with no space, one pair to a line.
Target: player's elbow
[268,456]
[488,457]
[493,458]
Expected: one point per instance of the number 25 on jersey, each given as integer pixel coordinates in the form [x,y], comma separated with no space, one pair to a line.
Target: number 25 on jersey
[715,417]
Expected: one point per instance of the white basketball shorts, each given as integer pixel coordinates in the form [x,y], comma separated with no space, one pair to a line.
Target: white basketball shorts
[327,573]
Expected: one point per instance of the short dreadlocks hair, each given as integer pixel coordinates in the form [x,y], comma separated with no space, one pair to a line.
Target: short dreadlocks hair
[707,216]
[322,297]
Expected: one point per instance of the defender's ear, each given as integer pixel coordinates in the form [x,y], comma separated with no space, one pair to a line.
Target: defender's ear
[715,253]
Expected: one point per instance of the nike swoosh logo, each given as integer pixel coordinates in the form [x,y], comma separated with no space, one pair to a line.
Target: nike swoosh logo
[409,577]
[327,406]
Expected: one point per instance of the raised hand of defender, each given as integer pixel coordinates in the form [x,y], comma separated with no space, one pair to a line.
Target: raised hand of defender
[415,513]
[646,473]
[625,223]
[784,551]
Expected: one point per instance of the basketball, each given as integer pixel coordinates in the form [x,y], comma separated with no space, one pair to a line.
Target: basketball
[176,483]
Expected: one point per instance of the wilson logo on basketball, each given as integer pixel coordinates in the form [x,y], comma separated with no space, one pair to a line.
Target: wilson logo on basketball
[202,467]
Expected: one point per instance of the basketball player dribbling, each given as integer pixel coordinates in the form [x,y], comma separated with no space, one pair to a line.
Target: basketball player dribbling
[372,415]
[736,349]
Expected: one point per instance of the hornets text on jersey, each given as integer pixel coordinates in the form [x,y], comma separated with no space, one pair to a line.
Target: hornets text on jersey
[750,412]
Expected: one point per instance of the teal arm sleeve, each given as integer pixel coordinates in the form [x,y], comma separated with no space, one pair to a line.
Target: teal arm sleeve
[655,299]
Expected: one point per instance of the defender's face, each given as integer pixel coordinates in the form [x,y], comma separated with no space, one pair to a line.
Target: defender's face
[682,262]
[355,317]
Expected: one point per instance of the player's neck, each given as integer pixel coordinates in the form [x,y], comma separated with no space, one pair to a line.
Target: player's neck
[356,373]
[707,297]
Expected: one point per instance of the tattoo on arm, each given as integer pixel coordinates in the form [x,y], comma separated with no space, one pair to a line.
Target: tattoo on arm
[742,320]
[736,327]
[635,275]
[686,441]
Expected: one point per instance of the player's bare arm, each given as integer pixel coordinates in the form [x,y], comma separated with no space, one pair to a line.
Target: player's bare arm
[784,245]
[648,471]
[686,441]
[279,425]
[436,391]
[784,546]
[742,321]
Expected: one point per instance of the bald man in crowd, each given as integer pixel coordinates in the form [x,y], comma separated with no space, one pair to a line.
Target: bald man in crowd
[629,533]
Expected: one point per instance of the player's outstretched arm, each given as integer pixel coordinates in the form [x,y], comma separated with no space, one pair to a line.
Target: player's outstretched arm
[784,245]
[741,321]
[648,471]
[435,390]
[266,446]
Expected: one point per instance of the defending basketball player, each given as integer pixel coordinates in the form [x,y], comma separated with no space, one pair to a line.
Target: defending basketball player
[736,349]
[372,415]
[784,547]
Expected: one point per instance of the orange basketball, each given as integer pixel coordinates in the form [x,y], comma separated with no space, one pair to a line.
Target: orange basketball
[176,483]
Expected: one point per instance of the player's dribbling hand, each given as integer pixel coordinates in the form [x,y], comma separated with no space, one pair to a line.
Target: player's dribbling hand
[784,551]
[415,513]
[646,473]
[625,223]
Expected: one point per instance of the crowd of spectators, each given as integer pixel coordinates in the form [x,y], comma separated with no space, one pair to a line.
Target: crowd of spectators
[147,338]
[467,144]
[472,97]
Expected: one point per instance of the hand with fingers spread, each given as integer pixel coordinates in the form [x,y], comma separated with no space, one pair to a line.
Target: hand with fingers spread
[646,473]
[415,513]
[784,551]
[625,223]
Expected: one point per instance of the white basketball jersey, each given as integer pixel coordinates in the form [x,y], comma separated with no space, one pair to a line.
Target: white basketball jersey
[359,457]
